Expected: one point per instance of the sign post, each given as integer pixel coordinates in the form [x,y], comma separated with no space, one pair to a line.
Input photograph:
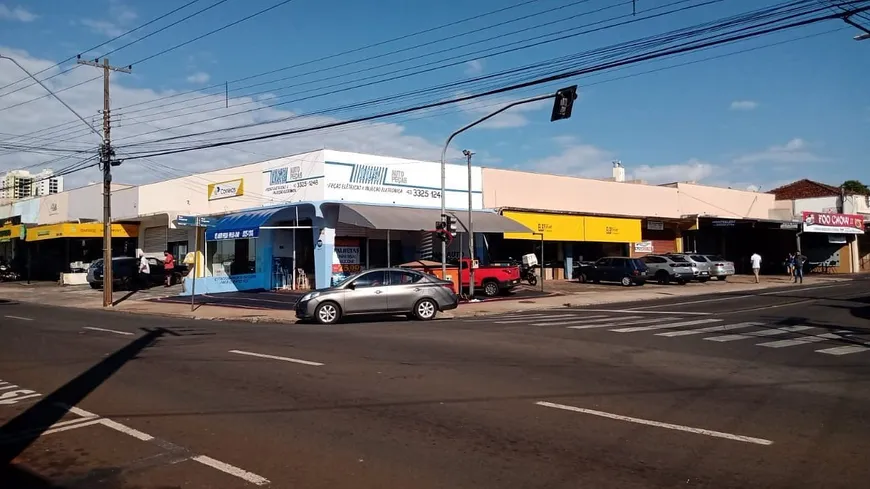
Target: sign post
[196,223]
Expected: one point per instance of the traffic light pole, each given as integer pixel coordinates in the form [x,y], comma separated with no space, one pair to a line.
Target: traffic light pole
[444,162]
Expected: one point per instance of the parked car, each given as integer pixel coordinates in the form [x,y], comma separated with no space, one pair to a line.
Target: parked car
[379,291]
[492,280]
[665,269]
[700,265]
[620,269]
[125,273]
[720,268]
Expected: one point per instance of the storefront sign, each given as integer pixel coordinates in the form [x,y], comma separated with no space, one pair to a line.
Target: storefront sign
[644,247]
[655,225]
[293,183]
[87,230]
[234,234]
[10,232]
[723,223]
[821,222]
[612,230]
[837,239]
[226,190]
[413,184]
[788,225]
[553,227]
[345,258]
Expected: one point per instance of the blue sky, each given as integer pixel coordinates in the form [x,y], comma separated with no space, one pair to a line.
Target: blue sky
[795,110]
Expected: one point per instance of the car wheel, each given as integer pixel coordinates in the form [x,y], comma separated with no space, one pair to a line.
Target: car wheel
[533,280]
[583,278]
[663,278]
[425,309]
[490,289]
[703,280]
[681,281]
[626,281]
[641,282]
[723,278]
[95,285]
[327,313]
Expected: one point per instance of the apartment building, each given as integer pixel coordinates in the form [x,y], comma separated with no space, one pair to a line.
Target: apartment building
[21,184]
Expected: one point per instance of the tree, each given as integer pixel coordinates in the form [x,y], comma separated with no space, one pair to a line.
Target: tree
[853,187]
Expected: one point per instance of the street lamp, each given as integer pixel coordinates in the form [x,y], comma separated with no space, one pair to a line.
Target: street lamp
[564,102]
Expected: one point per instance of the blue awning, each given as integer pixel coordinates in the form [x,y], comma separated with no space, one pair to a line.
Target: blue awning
[241,225]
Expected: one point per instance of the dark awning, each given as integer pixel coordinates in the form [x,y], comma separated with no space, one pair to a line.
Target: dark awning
[241,225]
[415,219]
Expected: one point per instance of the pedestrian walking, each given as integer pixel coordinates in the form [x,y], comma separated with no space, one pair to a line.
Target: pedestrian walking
[755,259]
[799,261]
[144,277]
[789,264]
[168,267]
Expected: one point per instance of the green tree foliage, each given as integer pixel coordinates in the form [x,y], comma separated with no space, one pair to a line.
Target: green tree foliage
[855,187]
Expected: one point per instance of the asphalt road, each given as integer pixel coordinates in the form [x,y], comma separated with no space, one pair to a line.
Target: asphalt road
[746,390]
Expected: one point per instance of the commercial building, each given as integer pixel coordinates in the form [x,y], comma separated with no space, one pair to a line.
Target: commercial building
[310,219]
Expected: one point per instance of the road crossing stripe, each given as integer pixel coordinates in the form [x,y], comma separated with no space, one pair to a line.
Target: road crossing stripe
[803,340]
[759,334]
[623,323]
[665,326]
[560,317]
[569,320]
[843,350]
[709,329]
[509,316]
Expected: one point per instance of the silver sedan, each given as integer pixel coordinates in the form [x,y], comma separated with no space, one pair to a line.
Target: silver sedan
[380,291]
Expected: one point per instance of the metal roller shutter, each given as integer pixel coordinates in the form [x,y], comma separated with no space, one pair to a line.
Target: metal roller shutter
[176,235]
[350,231]
[155,240]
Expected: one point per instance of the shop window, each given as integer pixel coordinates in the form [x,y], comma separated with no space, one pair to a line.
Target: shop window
[178,249]
[231,257]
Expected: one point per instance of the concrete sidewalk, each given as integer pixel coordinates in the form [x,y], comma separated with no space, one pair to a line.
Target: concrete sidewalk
[562,293]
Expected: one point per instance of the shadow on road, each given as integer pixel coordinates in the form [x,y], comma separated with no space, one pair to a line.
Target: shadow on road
[28,426]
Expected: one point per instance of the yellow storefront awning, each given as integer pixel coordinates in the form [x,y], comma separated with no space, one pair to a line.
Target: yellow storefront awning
[10,232]
[87,230]
[561,227]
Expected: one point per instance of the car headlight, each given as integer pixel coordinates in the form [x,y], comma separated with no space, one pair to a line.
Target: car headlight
[309,296]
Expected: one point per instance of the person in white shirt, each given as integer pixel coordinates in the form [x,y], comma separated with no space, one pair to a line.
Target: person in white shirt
[756,265]
[144,271]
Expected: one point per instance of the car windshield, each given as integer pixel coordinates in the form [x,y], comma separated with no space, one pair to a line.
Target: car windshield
[679,259]
[699,258]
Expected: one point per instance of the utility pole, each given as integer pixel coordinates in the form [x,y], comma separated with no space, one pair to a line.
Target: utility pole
[468,154]
[107,161]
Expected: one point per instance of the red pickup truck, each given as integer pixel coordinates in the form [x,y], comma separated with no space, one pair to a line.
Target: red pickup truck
[491,280]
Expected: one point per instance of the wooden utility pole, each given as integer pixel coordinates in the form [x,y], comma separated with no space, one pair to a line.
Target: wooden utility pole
[107,161]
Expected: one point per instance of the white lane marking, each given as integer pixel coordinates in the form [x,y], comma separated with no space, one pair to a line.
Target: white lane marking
[19,318]
[79,423]
[759,334]
[232,470]
[709,329]
[803,289]
[803,340]
[843,350]
[625,323]
[605,320]
[71,421]
[126,429]
[573,320]
[16,396]
[274,357]
[718,299]
[81,412]
[558,317]
[639,311]
[506,316]
[4,386]
[658,424]
[106,330]
[665,326]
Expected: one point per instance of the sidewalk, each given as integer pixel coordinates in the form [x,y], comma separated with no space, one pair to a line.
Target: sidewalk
[561,293]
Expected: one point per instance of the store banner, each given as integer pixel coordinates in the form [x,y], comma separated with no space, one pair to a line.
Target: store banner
[86,230]
[345,258]
[553,227]
[406,183]
[613,230]
[644,247]
[293,179]
[824,222]
[226,190]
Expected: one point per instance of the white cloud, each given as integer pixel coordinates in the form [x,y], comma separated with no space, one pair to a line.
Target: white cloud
[511,118]
[584,160]
[199,77]
[744,105]
[796,150]
[474,67]
[102,27]
[121,12]
[385,138]
[17,13]
[692,171]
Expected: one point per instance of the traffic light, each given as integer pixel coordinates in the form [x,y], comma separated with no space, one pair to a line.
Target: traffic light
[564,102]
[451,224]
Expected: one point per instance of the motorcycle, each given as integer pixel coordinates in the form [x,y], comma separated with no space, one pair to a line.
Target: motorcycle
[527,273]
[7,274]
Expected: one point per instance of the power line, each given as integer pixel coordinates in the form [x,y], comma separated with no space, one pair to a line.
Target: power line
[555,77]
[161,17]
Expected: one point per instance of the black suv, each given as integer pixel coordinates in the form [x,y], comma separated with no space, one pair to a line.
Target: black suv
[620,269]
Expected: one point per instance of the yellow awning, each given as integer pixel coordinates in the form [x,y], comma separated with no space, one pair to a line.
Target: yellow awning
[87,230]
[561,227]
[10,232]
